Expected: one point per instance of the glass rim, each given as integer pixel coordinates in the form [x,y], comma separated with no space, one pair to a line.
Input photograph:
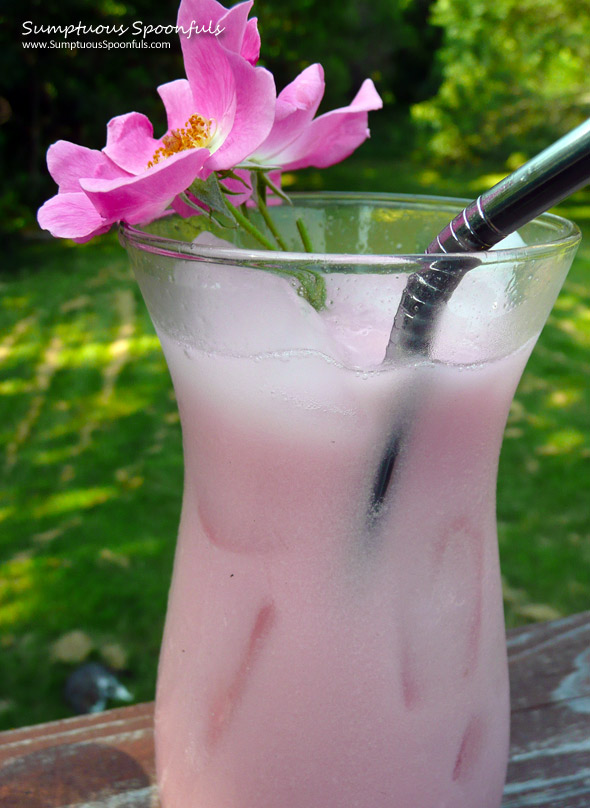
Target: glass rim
[569,236]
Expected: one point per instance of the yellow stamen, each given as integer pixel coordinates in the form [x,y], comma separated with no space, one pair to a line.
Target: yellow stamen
[196,134]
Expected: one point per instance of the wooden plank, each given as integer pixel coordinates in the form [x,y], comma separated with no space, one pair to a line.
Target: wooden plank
[541,656]
[550,722]
[100,761]
[107,761]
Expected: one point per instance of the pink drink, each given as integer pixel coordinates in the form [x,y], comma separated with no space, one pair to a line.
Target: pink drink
[328,660]
[321,652]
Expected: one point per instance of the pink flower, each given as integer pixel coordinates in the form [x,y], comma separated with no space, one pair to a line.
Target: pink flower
[243,114]
[216,118]
[236,32]
[224,115]
[98,188]
[298,140]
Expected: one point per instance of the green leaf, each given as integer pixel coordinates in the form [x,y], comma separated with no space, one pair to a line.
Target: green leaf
[311,285]
[210,193]
[228,173]
[224,220]
[313,288]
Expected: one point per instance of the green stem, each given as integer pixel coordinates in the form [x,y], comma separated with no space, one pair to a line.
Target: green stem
[304,235]
[262,207]
[249,227]
[311,284]
[274,188]
[260,187]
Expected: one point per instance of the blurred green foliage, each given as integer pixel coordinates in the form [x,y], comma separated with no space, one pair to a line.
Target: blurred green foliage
[390,41]
[514,76]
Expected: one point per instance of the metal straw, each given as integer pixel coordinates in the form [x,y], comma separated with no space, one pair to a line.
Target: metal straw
[532,189]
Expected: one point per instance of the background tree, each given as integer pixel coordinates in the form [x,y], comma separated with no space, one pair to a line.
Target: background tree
[514,76]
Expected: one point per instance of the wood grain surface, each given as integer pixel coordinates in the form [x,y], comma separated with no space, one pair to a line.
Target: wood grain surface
[107,760]
[550,722]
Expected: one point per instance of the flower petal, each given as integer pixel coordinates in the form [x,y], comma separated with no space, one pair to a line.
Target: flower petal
[72,215]
[208,16]
[130,142]
[200,13]
[250,50]
[179,103]
[335,135]
[212,81]
[254,113]
[67,162]
[234,22]
[142,198]
[296,105]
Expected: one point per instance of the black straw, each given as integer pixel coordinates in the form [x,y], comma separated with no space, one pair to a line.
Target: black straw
[538,185]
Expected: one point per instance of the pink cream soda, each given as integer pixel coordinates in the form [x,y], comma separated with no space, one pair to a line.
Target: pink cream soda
[318,654]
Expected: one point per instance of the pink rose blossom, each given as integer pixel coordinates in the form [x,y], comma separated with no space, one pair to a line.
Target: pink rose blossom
[216,118]
[298,140]
[238,33]
[224,116]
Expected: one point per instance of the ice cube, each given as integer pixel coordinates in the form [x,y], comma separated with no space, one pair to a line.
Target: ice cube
[360,313]
[476,324]
[233,310]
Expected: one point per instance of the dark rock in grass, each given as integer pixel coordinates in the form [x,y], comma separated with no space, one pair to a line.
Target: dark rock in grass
[90,686]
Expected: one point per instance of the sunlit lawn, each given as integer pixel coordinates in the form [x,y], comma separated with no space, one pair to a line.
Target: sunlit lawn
[91,470]
[92,466]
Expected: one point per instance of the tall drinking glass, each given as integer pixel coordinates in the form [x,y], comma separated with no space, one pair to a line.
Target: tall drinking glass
[332,641]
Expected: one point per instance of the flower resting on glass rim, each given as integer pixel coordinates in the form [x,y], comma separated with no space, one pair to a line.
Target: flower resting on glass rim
[136,177]
[228,138]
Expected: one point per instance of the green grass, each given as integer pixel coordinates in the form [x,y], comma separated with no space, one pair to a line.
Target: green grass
[92,470]
[92,464]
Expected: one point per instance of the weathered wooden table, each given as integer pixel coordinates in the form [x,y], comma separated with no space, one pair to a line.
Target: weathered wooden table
[107,760]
